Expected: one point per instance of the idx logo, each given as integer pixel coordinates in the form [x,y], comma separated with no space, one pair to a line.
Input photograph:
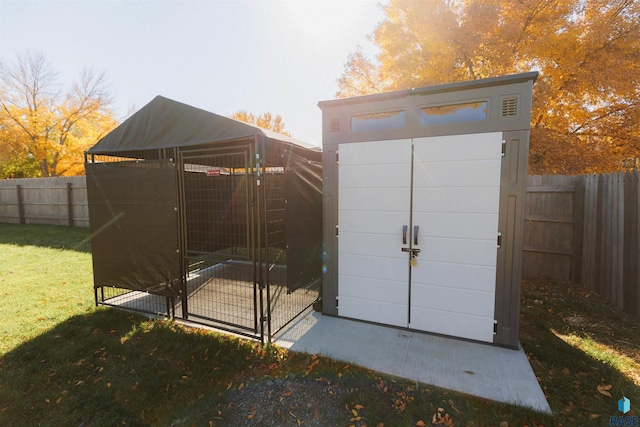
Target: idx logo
[623,421]
[624,406]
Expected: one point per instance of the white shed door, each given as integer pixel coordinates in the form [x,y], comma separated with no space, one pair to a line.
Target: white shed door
[374,198]
[456,195]
[452,201]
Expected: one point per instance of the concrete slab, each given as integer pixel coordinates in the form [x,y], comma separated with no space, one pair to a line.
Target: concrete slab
[482,370]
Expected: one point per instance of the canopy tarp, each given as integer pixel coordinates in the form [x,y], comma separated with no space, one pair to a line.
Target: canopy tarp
[165,123]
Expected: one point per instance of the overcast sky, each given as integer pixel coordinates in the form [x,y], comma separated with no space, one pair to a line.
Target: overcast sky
[281,56]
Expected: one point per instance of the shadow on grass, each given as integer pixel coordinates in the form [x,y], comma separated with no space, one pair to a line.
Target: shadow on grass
[49,236]
[576,343]
[115,368]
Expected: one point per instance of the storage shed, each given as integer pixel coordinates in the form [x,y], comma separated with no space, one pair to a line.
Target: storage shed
[202,217]
[424,207]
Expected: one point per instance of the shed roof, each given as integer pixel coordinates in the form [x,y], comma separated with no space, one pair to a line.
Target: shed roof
[165,123]
[426,90]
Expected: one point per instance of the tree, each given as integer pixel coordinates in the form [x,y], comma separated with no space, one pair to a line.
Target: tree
[265,121]
[44,132]
[587,98]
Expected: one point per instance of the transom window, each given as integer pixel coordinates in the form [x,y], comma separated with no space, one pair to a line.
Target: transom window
[378,121]
[456,113]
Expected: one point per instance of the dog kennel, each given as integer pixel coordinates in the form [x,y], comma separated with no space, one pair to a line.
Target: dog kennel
[201,217]
[424,207]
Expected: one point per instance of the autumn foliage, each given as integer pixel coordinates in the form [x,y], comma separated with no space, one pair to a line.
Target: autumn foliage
[43,131]
[264,120]
[586,110]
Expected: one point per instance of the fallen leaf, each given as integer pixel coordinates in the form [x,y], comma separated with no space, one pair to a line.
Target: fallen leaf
[287,393]
[250,417]
[421,424]
[593,416]
[604,390]
[354,412]
[59,399]
[358,407]
[504,424]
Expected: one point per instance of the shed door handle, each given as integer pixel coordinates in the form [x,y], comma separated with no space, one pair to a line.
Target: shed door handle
[404,234]
[415,234]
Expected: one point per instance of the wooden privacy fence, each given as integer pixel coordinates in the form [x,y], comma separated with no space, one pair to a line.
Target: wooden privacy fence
[582,229]
[585,229]
[57,201]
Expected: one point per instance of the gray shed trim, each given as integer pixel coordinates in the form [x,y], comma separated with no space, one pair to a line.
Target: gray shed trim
[508,100]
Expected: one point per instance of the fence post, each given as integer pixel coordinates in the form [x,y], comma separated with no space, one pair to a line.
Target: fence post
[20,204]
[70,203]
[577,233]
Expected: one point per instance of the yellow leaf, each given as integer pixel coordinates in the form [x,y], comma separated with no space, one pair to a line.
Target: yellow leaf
[354,412]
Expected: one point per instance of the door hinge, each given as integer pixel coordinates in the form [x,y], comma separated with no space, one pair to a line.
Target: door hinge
[499,239]
[495,327]
[504,147]
[337,230]
[264,319]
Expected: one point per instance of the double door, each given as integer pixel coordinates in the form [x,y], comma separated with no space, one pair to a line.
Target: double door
[418,233]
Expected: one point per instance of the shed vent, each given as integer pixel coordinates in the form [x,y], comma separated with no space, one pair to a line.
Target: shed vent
[335,124]
[510,107]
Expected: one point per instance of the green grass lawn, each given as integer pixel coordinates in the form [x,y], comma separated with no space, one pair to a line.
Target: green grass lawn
[64,362]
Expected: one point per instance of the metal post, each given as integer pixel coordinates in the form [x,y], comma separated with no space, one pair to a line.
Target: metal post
[182,231]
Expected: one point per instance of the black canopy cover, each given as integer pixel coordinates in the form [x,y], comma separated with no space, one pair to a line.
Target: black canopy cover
[165,123]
